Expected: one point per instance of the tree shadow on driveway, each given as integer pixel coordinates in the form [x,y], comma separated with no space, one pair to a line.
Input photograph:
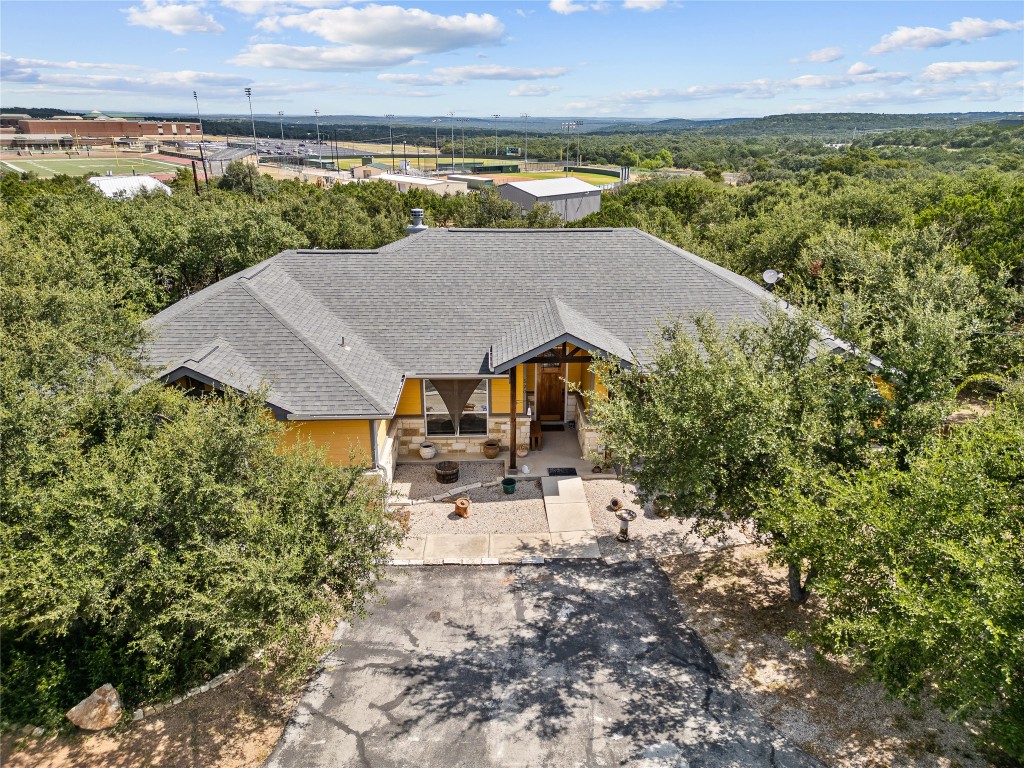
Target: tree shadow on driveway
[564,664]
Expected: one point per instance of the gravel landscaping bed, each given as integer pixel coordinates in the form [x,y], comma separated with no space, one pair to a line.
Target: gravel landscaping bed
[650,535]
[416,481]
[492,511]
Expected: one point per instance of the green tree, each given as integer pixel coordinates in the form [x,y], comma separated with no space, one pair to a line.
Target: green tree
[148,539]
[920,569]
[715,420]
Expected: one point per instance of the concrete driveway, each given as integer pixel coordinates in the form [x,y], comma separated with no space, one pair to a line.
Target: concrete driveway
[564,664]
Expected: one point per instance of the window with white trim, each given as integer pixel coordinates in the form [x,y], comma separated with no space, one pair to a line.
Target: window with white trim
[472,421]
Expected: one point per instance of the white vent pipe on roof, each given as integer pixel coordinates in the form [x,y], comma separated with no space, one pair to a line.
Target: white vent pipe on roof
[417,225]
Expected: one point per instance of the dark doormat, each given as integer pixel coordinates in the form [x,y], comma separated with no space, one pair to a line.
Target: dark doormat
[552,427]
[561,471]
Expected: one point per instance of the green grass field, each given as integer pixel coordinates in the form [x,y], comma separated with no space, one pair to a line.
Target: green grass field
[79,166]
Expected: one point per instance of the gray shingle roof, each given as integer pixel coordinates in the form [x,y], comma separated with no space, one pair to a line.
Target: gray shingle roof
[555,322]
[445,301]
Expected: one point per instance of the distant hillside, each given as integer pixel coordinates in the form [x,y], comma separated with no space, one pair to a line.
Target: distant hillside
[38,112]
[849,123]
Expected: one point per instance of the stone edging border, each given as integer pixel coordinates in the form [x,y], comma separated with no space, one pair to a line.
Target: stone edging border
[397,502]
[143,712]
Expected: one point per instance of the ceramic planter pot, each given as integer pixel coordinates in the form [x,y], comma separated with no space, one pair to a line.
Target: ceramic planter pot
[491,449]
[427,450]
[522,449]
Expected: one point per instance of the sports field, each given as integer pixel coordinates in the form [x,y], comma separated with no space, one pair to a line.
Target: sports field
[596,179]
[79,166]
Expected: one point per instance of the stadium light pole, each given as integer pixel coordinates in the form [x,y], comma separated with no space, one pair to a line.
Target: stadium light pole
[280,117]
[202,135]
[526,122]
[255,146]
[202,138]
[319,146]
[462,127]
[495,134]
[391,137]
[437,152]
[452,116]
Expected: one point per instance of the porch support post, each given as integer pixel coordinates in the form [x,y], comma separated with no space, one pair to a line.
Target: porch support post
[512,418]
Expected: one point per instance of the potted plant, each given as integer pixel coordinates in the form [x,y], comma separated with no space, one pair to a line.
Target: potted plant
[522,449]
[491,448]
[427,450]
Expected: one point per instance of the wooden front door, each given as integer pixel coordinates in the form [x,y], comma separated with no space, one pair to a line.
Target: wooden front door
[551,393]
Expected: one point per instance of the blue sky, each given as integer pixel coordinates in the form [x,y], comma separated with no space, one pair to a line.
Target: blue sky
[626,58]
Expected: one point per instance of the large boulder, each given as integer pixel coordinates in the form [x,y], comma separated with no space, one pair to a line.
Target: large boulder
[101,709]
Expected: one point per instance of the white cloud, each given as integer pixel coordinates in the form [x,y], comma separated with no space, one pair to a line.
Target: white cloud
[18,62]
[264,7]
[176,19]
[393,27]
[169,82]
[311,58]
[963,31]
[820,56]
[644,5]
[533,89]
[569,7]
[753,89]
[499,72]
[969,93]
[941,71]
[180,50]
[460,74]
[421,80]
[860,68]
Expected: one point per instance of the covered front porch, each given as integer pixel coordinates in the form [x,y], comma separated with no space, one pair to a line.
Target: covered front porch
[559,449]
[532,395]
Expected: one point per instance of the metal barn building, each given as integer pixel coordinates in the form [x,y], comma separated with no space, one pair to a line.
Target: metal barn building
[570,198]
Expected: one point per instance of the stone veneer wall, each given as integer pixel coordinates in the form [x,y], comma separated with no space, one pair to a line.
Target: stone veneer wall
[409,433]
[590,438]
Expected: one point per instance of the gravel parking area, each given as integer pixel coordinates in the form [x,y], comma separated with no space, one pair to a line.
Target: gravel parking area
[492,511]
[650,535]
[416,481]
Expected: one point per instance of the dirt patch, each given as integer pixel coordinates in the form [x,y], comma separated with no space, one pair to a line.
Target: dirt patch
[233,726]
[650,535]
[827,705]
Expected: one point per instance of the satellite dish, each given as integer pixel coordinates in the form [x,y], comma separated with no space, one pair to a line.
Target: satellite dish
[771,277]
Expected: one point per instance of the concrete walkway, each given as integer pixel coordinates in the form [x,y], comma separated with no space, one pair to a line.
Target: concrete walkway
[570,536]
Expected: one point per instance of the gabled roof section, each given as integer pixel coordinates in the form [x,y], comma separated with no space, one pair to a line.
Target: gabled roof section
[280,336]
[219,363]
[330,339]
[554,323]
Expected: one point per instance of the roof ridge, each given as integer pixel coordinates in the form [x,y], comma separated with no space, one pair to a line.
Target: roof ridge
[313,347]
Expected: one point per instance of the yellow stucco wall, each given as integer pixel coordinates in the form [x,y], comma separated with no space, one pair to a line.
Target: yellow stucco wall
[411,401]
[500,393]
[337,438]
[382,431]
